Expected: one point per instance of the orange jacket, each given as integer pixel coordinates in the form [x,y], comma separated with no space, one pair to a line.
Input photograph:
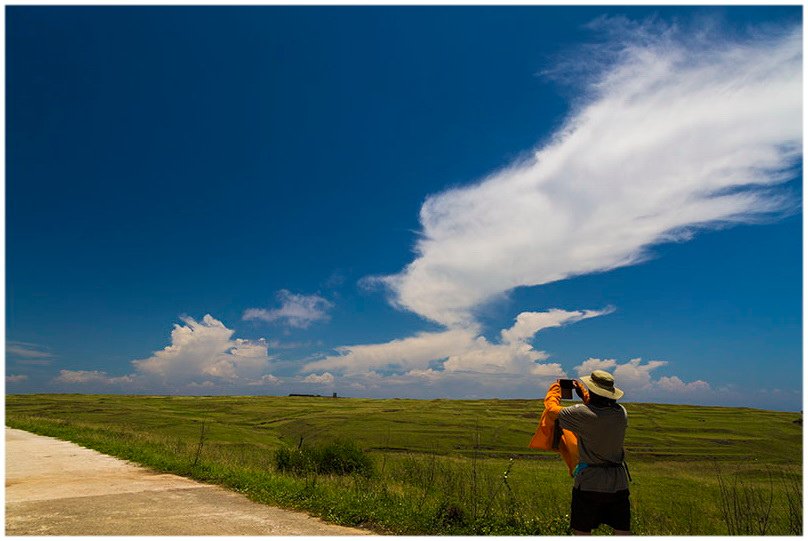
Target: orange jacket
[543,438]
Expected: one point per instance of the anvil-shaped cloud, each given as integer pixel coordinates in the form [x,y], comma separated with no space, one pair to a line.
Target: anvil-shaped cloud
[679,133]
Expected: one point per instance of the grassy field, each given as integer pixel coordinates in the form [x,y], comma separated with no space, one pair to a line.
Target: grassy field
[439,465]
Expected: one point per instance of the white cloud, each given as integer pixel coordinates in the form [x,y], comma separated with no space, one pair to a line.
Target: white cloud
[268,379]
[679,133]
[203,350]
[16,378]
[487,358]
[207,384]
[325,378]
[429,374]
[503,370]
[636,380]
[297,311]
[91,376]
[202,354]
[432,383]
[675,385]
[459,352]
[529,323]
[636,375]
[28,353]
[80,376]
[590,365]
[414,352]
[549,370]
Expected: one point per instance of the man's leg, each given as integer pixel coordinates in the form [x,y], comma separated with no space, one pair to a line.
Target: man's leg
[620,514]
[582,520]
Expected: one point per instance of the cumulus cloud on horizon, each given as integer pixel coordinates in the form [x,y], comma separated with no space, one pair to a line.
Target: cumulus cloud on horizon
[458,351]
[635,377]
[325,378]
[91,376]
[206,349]
[461,361]
[679,131]
[201,354]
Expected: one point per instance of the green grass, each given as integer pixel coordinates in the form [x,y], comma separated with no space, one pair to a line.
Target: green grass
[438,464]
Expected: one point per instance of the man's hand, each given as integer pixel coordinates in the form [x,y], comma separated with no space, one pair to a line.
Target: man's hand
[581,390]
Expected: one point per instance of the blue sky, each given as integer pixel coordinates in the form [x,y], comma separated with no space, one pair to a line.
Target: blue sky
[405,201]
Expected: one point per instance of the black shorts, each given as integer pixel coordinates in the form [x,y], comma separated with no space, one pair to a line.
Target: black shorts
[591,509]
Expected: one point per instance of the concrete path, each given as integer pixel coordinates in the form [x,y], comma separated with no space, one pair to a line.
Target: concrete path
[55,487]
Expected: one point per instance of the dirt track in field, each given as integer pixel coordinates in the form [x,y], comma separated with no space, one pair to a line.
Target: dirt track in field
[55,487]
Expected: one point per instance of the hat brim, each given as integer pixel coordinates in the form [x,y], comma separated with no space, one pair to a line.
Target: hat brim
[600,391]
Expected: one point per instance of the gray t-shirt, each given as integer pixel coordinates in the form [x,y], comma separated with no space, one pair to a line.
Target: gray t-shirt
[600,431]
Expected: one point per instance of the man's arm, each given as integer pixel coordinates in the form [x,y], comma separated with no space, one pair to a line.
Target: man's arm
[552,401]
[572,417]
[543,438]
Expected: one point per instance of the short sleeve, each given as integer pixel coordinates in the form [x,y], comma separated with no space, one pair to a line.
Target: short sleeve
[571,418]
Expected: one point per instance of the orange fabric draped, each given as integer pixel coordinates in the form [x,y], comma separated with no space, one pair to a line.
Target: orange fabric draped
[543,438]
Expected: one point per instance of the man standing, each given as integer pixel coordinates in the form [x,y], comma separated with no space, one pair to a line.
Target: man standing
[600,491]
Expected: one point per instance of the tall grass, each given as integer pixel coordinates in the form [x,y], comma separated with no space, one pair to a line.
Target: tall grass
[748,509]
[792,488]
[338,457]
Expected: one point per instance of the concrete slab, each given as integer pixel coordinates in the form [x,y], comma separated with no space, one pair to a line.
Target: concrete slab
[55,487]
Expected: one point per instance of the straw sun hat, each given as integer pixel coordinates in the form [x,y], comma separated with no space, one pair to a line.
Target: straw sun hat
[601,383]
